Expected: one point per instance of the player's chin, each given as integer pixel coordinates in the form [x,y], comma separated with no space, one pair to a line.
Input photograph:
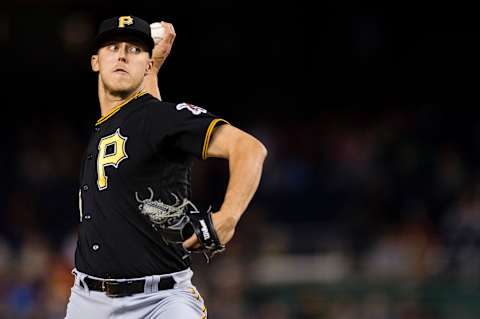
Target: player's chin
[123,89]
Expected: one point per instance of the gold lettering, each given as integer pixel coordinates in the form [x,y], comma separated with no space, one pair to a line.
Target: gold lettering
[103,160]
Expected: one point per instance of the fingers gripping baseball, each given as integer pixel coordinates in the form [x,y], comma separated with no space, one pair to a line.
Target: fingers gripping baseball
[163,35]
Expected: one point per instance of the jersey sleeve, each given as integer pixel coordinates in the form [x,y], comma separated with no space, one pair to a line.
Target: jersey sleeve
[183,126]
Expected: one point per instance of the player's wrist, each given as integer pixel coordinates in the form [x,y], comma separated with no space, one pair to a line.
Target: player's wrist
[155,69]
[159,57]
[229,220]
[152,75]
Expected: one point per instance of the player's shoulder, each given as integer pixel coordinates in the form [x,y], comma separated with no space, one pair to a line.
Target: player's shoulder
[154,105]
[152,108]
[151,102]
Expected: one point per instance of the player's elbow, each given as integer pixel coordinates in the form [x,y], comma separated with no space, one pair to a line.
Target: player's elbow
[261,150]
[255,148]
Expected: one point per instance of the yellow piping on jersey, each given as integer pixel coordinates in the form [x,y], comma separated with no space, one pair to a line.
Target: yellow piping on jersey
[206,142]
[118,107]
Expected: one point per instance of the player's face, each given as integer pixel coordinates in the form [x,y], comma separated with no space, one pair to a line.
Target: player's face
[122,66]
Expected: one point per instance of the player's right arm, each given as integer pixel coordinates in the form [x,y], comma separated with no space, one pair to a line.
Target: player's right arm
[159,55]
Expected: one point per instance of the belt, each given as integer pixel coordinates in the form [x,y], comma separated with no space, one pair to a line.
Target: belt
[125,288]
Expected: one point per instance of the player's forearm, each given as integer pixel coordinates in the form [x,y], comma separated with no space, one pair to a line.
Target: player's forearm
[150,84]
[163,35]
[246,165]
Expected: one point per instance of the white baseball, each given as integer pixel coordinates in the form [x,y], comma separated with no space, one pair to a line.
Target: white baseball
[158,31]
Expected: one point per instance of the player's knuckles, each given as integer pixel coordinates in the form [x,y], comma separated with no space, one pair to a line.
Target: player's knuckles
[169,27]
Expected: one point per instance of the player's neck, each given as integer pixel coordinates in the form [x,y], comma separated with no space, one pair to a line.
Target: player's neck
[109,101]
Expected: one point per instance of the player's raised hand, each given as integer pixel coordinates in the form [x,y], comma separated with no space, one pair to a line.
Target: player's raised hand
[163,35]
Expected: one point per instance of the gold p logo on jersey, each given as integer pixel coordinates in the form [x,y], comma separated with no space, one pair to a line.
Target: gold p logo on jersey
[117,142]
[125,20]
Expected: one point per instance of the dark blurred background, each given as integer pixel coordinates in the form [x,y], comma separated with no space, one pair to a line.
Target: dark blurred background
[369,206]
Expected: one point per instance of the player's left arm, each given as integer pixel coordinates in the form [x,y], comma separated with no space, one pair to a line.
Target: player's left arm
[160,53]
[246,156]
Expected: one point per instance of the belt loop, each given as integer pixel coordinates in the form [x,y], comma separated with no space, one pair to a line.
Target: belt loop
[149,284]
[183,278]
[81,279]
[156,280]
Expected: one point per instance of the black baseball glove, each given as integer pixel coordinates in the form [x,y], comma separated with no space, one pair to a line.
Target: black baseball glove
[179,221]
[202,225]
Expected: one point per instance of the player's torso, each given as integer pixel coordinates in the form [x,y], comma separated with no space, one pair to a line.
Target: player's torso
[120,170]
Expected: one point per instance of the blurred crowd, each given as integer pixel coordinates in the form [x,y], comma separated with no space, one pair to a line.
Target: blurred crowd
[360,214]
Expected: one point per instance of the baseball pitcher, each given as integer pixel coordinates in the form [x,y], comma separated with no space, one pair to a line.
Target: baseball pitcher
[138,225]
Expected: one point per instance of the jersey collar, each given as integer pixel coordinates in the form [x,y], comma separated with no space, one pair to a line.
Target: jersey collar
[119,106]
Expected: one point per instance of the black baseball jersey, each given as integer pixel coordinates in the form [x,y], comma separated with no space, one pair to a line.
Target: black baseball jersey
[143,148]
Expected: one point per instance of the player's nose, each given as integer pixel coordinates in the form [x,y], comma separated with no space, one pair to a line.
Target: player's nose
[122,52]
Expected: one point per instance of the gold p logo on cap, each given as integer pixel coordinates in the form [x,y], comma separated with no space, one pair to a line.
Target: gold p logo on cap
[125,20]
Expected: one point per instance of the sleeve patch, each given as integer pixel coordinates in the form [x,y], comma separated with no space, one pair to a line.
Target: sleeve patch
[196,110]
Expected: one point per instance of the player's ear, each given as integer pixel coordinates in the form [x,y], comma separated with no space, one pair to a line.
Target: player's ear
[94,63]
[149,67]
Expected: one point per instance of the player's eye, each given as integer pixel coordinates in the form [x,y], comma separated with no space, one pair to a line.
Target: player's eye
[134,50]
[112,47]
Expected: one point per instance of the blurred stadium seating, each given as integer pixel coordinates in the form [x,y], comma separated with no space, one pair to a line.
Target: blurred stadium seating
[369,206]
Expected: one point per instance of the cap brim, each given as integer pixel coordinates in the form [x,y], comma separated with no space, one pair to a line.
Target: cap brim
[123,34]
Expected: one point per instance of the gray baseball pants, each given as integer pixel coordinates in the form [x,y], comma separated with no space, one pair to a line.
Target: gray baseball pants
[181,302]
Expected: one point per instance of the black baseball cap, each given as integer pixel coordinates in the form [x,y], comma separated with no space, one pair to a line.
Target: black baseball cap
[124,27]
